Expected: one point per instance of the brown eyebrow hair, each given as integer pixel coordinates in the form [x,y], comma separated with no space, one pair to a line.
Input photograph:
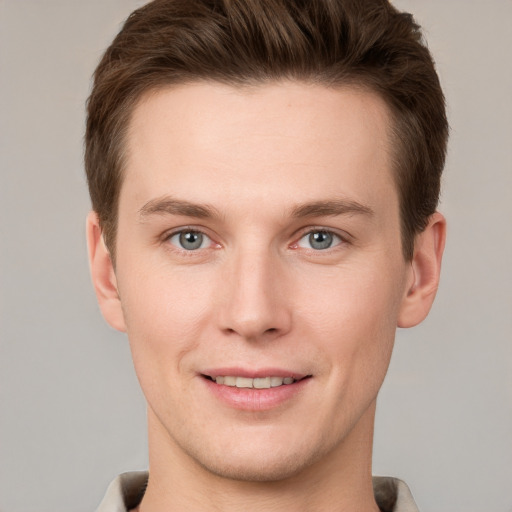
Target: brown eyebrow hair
[331,208]
[172,206]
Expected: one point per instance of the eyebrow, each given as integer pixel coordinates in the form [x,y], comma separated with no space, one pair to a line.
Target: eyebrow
[333,208]
[171,206]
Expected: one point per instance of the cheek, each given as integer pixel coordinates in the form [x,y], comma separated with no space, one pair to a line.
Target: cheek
[355,321]
[165,312]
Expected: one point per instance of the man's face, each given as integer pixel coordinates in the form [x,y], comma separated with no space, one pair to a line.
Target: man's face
[259,240]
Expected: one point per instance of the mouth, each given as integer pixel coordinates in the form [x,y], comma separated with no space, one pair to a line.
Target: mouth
[260,389]
[254,383]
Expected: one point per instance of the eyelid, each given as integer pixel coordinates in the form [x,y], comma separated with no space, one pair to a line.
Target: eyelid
[345,238]
[167,235]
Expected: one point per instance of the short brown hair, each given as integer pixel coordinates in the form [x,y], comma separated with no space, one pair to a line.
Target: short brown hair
[363,43]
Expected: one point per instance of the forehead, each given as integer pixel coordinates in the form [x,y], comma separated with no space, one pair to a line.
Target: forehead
[276,140]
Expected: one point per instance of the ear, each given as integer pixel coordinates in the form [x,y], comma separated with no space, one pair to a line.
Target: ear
[424,272]
[103,275]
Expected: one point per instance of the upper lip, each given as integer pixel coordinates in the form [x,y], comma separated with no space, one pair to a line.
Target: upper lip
[253,373]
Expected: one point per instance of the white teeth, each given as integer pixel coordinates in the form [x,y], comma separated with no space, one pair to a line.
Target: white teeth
[243,382]
[257,383]
[276,381]
[261,383]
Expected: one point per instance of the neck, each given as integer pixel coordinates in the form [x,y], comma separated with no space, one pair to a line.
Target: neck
[339,481]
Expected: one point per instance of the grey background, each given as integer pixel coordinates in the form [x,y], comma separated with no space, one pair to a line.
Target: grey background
[72,416]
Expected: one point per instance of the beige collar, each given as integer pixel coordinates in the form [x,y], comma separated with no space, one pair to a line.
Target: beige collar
[127,490]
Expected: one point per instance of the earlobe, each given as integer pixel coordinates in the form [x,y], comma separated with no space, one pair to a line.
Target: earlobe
[103,275]
[424,272]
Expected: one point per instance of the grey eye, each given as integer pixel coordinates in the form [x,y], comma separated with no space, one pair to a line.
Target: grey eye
[319,240]
[189,240]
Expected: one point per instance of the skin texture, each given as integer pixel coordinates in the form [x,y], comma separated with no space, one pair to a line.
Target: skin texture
[257,294]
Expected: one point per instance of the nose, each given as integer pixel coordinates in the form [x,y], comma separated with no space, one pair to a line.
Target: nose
[254,301]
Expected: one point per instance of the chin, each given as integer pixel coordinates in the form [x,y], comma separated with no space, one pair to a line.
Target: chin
[264,469]
[259,462]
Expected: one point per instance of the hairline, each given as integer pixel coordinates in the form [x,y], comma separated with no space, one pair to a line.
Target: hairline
[351,81]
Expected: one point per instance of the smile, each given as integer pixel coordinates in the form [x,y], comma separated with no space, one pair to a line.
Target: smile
[256,390]
[256,383]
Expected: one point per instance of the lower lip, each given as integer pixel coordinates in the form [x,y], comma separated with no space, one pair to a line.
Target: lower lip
[251,399]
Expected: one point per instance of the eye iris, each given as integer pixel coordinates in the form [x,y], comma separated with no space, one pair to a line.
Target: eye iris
[320,240]
[191,240]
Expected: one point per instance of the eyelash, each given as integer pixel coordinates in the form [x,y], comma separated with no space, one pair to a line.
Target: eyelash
[184,230]
[341,240]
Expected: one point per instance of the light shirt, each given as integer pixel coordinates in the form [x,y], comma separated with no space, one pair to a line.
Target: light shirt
[127,490]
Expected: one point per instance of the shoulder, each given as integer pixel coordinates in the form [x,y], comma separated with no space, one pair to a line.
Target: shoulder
[125,492]
[393,495]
